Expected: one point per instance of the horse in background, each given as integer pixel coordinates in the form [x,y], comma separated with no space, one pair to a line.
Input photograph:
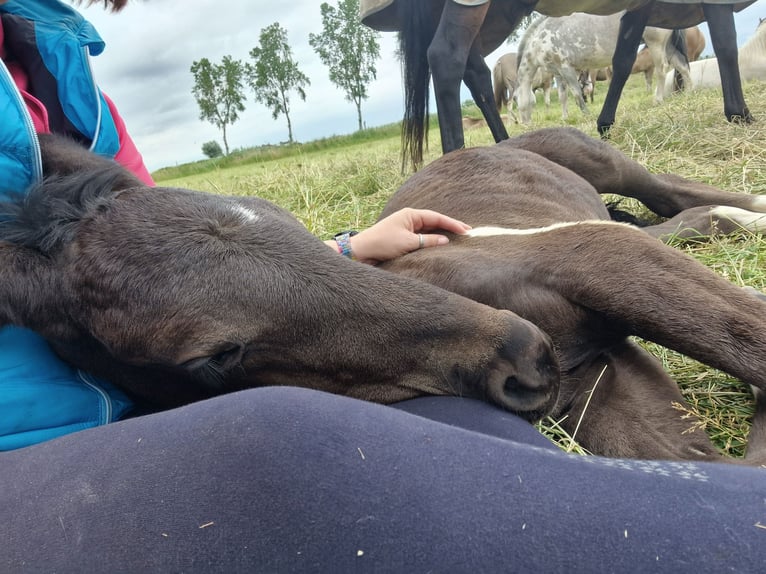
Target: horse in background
[752,64]
[562,46]
[448,41]
[504,84]
[588,79]
[695,44]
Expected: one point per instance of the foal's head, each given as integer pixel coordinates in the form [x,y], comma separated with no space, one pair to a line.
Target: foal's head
[193,294]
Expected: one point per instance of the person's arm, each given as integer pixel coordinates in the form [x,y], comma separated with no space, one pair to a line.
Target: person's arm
[401,232]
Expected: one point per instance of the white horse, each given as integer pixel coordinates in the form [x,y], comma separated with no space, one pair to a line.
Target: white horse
[752,63]
[562,46]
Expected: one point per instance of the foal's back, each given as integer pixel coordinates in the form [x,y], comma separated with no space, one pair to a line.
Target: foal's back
[500,185]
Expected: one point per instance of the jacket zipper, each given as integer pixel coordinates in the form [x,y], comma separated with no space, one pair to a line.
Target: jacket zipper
[105,399]
[97,98]
[7,82]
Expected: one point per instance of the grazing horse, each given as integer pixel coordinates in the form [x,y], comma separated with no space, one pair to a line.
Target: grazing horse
[178,295]
[504,84]
[562,46]
[752,63]
[448,39]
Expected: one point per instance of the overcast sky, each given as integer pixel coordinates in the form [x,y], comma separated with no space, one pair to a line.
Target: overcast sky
[151,45]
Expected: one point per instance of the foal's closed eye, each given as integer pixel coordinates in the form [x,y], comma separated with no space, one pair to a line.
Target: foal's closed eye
[210,370]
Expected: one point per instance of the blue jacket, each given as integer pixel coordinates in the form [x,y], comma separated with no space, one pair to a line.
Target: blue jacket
[41,397]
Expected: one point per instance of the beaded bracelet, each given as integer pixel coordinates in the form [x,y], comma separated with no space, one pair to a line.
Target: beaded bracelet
[344,245]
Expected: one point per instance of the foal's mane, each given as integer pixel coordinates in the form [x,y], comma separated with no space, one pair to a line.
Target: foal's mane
[46,217]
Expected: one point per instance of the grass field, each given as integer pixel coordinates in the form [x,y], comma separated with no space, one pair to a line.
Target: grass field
[343,182]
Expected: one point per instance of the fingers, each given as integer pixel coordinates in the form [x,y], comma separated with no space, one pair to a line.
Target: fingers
[427,220]
[430,240]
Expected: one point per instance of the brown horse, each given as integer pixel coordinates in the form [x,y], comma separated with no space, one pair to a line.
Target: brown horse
[543,246]
[449,41]
[178,295]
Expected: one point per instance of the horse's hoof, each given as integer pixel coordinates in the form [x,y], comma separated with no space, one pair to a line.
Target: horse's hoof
[603,130]
[744,118]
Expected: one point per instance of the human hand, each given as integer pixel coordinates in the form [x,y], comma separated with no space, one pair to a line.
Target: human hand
[401,232]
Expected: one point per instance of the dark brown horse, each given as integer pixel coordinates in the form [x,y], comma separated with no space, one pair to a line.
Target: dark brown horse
[449,41]
[544,247]
[178,295]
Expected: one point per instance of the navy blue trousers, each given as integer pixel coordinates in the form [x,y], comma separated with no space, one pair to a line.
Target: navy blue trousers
[293,480]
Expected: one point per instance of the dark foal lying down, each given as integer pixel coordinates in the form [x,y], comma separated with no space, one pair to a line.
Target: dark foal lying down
[178,295]
[553,256]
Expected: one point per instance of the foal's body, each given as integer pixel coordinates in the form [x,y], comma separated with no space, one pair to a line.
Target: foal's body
[554,257]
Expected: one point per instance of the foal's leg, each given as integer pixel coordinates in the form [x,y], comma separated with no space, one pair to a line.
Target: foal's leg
[610,171]
[646,289]
[627,406]
[723,34]
[707,221]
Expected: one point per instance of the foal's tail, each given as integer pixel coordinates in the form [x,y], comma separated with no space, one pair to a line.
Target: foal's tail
[417,31]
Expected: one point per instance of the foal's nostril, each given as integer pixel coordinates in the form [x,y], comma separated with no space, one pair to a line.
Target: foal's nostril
[511,385]
[525,396]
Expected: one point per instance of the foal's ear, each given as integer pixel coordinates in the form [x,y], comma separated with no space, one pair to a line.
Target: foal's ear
[31,292]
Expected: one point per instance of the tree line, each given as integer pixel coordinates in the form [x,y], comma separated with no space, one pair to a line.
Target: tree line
[346,47]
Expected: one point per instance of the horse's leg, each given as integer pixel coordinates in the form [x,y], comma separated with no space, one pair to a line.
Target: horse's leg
[447,57]
[648,79]
[479,81]
[569,77]
[511,87]
[723,34]
[562,90]
[547,95]
[611,171]
[631,31]
[658,52]
[627,406]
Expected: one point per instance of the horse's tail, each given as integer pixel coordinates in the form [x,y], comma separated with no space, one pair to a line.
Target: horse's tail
[498,83]
[678,43]
[417,31]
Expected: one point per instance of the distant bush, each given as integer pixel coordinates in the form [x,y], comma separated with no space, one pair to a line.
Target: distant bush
[212,149]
